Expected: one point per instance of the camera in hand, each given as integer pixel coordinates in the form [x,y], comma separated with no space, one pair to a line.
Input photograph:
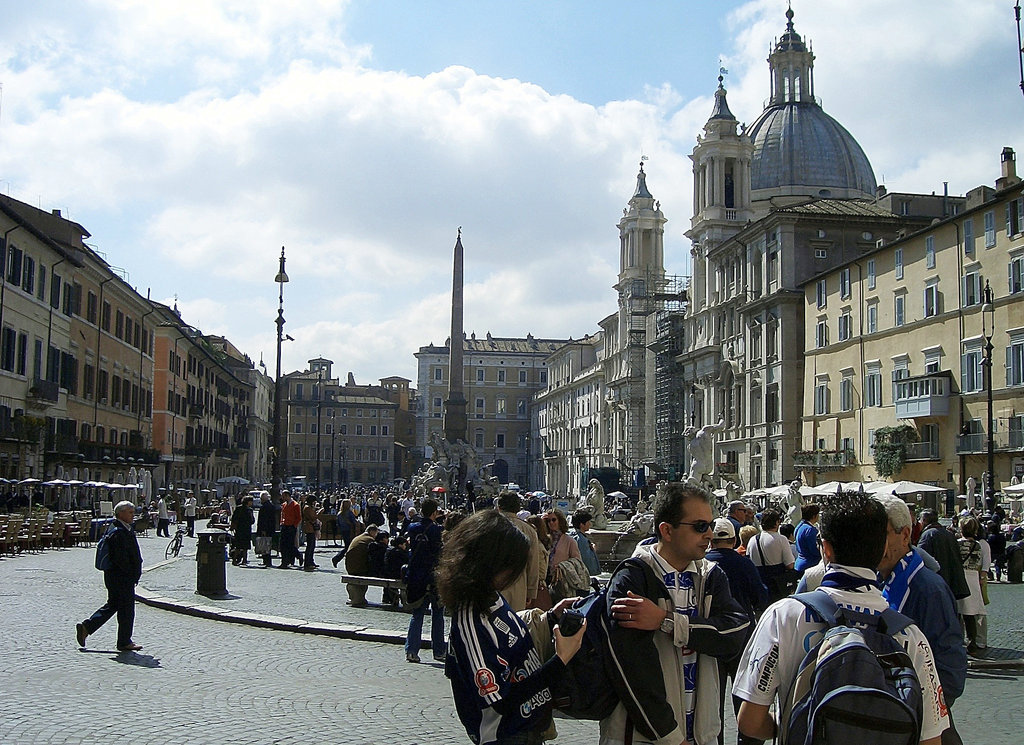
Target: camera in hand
[571,623]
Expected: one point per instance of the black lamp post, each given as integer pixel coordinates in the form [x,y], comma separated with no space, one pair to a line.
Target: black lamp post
[988,313]
[278,452]
[319,402]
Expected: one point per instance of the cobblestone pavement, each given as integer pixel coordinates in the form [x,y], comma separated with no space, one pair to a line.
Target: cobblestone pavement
[203,681]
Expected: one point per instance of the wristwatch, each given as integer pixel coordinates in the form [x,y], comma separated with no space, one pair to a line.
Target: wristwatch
[668,623]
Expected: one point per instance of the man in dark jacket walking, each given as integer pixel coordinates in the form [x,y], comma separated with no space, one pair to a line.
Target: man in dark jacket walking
[942,546]
[120,579]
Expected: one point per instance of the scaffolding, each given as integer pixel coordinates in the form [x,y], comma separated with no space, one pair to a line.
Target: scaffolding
[669,395]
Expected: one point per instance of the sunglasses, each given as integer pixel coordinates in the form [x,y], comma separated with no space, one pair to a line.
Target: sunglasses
[700,526]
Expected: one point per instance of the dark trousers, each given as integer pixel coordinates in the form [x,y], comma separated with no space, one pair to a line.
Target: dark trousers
[162,525]
[346,538]
[287,546]
[727,669]
[191,520]
[310,548]
[120,601]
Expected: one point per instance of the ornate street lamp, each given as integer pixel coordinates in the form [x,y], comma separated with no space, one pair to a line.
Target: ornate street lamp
[988,319]
[278,451]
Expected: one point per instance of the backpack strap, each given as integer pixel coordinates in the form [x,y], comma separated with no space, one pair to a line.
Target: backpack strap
[823,606]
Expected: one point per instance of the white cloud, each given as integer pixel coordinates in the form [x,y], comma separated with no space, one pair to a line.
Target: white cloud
[194,139]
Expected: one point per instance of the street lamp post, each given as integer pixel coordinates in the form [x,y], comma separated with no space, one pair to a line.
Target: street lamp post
[319,402]
[275,486]
[334,473]
[344,470]
[988,330]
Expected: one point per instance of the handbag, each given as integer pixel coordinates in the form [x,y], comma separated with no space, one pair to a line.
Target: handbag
[778,578]
[261,544]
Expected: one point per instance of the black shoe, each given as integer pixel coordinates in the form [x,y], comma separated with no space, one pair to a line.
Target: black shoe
[80,634]
[335,560]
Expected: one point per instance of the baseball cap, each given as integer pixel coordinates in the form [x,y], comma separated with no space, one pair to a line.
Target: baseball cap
[723,529]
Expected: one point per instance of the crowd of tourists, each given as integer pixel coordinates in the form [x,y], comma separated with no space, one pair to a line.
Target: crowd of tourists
[711,610]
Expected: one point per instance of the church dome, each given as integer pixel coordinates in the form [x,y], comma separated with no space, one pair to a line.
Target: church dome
[799,150]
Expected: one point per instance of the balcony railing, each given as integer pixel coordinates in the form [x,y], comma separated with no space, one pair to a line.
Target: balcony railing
[977,443]
[823,460]
[44,391]
[923,451]
[974,443]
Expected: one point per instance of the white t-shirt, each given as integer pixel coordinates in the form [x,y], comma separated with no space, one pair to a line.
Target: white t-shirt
[405,505]
[775,546]
[788,630]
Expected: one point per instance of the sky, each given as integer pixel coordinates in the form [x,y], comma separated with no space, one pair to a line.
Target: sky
[195,138]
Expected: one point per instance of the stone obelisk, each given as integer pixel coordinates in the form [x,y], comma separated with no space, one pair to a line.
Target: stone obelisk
[455,406]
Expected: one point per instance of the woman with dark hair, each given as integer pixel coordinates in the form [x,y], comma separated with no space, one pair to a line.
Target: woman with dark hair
[242,520]
[500,685]
[346,522]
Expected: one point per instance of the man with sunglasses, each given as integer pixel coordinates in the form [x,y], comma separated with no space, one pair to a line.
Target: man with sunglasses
[671,616]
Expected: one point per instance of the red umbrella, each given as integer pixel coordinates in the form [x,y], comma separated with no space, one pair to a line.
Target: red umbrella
[439,488]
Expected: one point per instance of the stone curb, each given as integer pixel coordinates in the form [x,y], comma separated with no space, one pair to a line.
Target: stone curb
[1017,664]
[258,620]
[278,623]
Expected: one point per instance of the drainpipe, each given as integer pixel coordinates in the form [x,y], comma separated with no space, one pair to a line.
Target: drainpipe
[99,338]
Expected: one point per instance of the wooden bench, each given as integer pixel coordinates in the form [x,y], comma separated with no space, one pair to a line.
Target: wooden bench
[383,582]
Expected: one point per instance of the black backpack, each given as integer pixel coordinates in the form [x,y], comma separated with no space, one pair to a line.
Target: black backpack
[592,683]
[858,685]
[102,560]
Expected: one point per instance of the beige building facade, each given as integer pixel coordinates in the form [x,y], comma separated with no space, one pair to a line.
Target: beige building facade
[501,375]
[898,337]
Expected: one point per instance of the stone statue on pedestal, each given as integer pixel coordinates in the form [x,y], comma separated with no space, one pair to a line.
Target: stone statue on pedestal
[594,503]
[702,452]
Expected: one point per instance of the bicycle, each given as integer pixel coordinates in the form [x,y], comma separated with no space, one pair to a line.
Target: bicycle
[174,547]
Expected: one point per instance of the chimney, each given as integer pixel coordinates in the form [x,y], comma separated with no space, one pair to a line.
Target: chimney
[1008,170]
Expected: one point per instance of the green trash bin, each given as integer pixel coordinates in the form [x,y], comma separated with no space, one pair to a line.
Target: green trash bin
[211,557]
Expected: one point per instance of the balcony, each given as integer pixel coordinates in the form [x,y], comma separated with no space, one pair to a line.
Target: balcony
[196,411]
[821,461]
[42,393]
[973,443]
[923,451]
[923,395]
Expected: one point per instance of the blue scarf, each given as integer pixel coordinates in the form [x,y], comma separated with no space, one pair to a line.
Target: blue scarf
[897,587]
[840,580]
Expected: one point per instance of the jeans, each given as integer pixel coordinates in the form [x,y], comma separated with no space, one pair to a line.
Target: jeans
[162,527]
[310,548]
[414,638]
[191,520]
[287,545]
[120,601]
